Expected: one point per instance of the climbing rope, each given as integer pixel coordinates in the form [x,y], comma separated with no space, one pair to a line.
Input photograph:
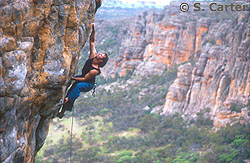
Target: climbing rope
[71,130]
[71,135]
[72,122]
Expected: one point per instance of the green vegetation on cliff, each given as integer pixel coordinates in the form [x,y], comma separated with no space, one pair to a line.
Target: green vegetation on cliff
[165,139]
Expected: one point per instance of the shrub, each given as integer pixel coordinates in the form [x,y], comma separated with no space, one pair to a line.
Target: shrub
[125,153]
[212,41]
[125,159]
[228,157]
[104,111]
[203,118]
[236,107]
[186,158]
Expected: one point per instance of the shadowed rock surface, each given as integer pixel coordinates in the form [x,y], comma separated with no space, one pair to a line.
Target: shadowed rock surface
[40,43]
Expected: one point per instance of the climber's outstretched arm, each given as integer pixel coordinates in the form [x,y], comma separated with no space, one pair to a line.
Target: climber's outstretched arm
[92,43]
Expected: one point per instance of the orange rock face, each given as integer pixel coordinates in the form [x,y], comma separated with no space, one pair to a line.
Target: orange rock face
[163,37]
[200,31]
[220,77]
[40,43]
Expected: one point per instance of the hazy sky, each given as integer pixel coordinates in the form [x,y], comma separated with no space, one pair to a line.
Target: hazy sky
[158,2]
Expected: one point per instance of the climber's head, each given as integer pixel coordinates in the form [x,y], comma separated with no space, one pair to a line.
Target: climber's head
[103,58]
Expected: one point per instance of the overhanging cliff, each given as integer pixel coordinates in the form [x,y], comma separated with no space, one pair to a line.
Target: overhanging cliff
[40,42]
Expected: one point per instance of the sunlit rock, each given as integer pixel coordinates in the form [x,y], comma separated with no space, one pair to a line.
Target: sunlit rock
[40,42]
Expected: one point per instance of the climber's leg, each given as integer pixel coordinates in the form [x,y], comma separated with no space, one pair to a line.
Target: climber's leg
[80,87]
[66,106]
[73,95]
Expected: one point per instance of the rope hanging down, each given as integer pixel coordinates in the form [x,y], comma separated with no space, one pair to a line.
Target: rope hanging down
[72,122]
[71,136]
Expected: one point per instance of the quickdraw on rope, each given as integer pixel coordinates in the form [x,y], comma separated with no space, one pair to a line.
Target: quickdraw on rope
[94,91]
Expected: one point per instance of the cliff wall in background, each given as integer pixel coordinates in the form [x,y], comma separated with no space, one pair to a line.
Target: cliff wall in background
[162,38]
[40,43]
[220,78]
[215,44]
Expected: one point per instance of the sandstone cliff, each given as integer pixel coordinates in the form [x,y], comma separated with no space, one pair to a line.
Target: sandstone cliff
[40,43]
[218,44]
[220,78]
[161,38]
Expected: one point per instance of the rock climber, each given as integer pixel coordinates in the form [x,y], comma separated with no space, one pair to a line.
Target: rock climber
[86,81]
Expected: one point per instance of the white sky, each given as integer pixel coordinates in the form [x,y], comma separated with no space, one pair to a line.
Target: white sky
[158,2]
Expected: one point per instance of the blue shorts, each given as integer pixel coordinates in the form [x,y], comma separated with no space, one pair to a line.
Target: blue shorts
[76,88]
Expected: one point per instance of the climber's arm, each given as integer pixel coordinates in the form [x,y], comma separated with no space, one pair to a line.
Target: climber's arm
[87,77]
[92,43]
